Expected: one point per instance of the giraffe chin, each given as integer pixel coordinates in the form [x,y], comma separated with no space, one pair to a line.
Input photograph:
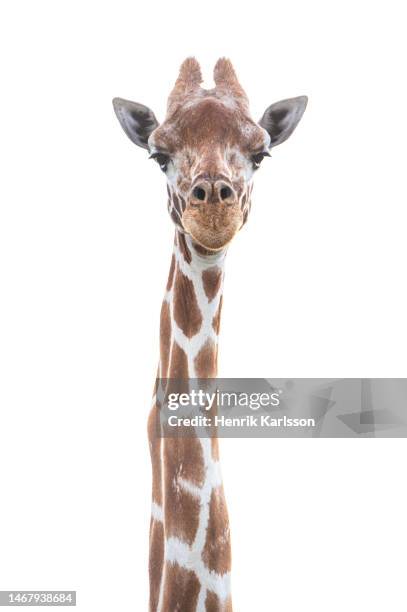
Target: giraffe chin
[210,237]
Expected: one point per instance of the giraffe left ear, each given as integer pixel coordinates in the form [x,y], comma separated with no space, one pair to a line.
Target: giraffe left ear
[281,119]
[137,120]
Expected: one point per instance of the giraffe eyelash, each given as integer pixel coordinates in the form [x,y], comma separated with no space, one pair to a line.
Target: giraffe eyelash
[162,160]
[257,158]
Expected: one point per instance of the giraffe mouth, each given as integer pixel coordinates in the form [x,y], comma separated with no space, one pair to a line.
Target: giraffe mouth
[213,249]
[213,232]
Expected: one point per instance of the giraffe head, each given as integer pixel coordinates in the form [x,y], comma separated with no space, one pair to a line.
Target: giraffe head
[209,148]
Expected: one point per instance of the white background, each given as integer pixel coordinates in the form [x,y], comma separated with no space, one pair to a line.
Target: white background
[315,287]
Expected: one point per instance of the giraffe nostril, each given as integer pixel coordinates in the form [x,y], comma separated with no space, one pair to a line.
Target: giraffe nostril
[225,193]
[199,193]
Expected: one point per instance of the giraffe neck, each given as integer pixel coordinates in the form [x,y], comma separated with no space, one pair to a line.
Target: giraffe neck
[190,313]
[189,532]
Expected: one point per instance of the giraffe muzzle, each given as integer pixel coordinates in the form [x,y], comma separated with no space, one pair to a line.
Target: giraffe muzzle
[212,216]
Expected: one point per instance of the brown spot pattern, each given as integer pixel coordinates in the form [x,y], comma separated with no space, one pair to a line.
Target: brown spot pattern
[213,603]
[205,361]
[181,508]
[175,202]
[175,217]
[186,310]
[156,561]
[216,318]
[216,553]
[211,278]
[157,378]
[178,367]
[171,273]
[155,452]
[201,250]
[165,338]
[184,458]
[183,203]
[215,448]
[183,247]
[181,589]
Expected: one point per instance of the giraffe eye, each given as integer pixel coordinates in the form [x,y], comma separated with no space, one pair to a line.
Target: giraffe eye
[257,158]
[162,160]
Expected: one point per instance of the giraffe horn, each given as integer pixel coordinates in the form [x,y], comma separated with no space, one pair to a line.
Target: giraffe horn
[190,75]
[226,80]
[189,80]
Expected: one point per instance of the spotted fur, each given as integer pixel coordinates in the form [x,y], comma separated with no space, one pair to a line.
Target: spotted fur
[195,535]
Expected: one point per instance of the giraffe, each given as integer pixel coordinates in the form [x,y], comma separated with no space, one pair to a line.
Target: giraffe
[209,149]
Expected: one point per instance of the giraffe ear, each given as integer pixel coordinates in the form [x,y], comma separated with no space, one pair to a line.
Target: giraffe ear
[281,119]
[137,120]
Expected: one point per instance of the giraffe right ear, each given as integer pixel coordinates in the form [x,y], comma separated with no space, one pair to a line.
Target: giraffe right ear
[137,120]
